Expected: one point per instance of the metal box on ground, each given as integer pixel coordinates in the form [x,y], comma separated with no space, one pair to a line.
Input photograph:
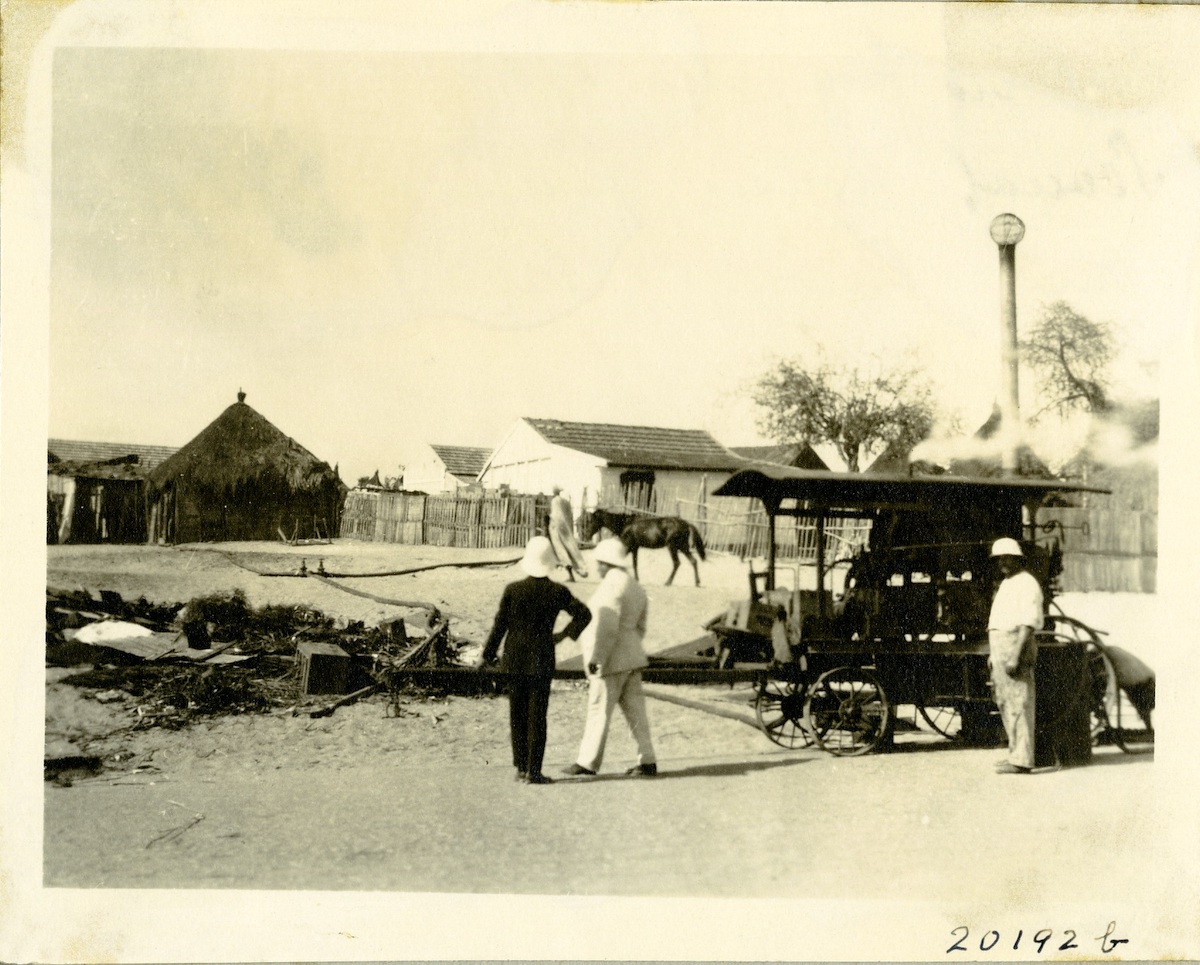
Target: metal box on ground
[324,668]
[1062,722]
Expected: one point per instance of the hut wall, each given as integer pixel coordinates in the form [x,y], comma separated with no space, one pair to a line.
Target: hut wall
[60,507]
[82,509]
[262,510]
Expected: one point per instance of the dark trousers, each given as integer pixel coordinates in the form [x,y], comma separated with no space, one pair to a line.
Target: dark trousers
[528,701]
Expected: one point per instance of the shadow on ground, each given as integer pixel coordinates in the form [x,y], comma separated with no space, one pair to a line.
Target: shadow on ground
[731,769]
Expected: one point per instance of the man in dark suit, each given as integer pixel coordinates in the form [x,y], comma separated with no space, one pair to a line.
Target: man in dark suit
[525,623]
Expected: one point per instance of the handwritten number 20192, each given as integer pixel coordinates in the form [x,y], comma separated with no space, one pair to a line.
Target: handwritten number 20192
[991,939]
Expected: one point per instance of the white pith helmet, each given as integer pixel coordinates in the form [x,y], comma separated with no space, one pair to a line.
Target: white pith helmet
[611,551]
[1007,546]
[540,558]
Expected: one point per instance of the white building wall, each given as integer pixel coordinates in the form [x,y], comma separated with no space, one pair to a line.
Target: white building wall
[429,475]
[527,463]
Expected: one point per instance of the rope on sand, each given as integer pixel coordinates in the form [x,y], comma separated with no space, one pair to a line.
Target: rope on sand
[412,604]
[658,694]
[430,566]
[469,564]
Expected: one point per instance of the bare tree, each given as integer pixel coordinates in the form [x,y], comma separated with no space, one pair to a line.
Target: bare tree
[1070,355]
[861,412]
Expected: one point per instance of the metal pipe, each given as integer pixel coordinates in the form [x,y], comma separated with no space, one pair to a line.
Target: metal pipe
[1006,231]
[821,608]
[771,550]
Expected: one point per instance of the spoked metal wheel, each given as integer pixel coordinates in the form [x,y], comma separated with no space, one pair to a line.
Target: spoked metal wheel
[946,721]
[848,712]
[779,707]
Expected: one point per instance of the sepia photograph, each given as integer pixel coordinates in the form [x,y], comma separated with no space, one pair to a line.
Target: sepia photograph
[598,480]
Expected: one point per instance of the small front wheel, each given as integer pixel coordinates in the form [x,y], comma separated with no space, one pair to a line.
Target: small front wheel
[779,708]
[848,712]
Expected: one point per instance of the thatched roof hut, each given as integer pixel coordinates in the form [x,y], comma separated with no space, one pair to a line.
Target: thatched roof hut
[242,479]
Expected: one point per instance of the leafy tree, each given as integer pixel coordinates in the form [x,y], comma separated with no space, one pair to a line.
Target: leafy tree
[861,412]
[1070,355]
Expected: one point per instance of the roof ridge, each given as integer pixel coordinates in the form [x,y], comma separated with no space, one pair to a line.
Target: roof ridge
[616,425]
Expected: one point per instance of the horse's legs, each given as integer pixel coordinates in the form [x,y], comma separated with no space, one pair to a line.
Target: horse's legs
[695,568]
[674,564]
[633,554]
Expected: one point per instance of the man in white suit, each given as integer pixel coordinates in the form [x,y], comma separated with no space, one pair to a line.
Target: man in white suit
[615,658]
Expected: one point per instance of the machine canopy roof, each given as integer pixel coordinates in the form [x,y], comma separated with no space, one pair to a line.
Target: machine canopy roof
[848,490]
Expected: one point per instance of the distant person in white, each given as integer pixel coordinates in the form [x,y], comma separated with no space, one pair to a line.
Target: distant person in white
[561,531]
[614,658]
[1017,614]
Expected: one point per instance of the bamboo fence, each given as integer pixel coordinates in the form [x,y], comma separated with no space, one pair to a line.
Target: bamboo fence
[476,521]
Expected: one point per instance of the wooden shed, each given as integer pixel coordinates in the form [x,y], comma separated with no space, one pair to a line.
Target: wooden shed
[96,491]
[242,479]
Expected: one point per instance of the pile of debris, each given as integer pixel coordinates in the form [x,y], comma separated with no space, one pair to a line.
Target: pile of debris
[216,655]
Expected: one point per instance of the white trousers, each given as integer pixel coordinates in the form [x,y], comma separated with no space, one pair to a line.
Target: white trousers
[1015,696]
[605,694]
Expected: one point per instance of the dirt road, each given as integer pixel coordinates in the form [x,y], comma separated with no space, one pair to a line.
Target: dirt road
[731,815]
[426,803]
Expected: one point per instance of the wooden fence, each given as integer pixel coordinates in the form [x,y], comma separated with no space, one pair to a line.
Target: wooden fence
[738,525]
[1104,550]
[478,521]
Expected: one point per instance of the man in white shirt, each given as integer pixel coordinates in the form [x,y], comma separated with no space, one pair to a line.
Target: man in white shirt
[1017,614]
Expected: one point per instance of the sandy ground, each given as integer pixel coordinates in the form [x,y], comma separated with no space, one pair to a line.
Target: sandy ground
[426,801]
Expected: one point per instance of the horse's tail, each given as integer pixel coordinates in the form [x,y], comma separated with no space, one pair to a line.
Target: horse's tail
[697,541]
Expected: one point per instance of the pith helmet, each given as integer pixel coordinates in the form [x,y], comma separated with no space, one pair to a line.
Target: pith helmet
[539,558]
[1006,546]
[611,551]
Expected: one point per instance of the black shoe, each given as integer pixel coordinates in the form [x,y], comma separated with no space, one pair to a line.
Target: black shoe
[578,770]
[520,777]
[643,770]
[538,779]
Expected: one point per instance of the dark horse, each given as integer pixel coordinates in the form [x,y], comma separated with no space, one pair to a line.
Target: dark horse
[599,519]
[652,533]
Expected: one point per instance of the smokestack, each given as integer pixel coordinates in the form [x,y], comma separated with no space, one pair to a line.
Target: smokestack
[1007,230]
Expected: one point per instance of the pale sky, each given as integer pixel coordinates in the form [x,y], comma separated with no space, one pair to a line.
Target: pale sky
[388,247]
